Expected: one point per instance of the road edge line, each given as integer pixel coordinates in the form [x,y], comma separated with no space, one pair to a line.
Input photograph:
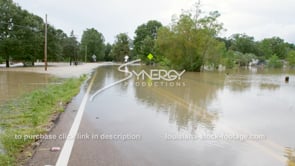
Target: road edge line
[65,153]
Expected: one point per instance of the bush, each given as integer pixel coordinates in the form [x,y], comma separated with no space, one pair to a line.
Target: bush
[1,60]
[274,62]
[228,60]
[291,58]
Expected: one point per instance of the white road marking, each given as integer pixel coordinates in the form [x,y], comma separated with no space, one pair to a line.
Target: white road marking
[65,153]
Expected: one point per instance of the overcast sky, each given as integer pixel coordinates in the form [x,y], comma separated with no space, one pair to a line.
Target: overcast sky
[261,18]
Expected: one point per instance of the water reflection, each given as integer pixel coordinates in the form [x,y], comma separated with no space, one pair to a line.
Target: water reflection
[269,86]
[106,75]
[217,102]
[264,79]
[186,106]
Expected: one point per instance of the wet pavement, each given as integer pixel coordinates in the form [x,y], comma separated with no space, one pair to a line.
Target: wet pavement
[242,117]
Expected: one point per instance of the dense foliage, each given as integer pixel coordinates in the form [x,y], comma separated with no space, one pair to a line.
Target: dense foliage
[92,43]
[191,42]
[121,47]
[22,37]
[145,37]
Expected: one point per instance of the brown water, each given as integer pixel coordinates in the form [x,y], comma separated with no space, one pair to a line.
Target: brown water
[15,84]
[245,117]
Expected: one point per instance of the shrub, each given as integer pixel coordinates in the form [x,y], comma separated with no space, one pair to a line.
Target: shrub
[1,60]
[275,62]
[291,58]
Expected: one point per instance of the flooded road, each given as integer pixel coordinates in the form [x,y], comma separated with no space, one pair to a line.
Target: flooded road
[15,84]
[241,117]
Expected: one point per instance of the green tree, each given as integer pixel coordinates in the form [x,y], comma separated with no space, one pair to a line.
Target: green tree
[228,59]
[144,40]
[22,36]
[215,53]
[291,58]
[279,47]
[92,43]
[54,45]
[190,41]
[108,49]
[30,38]
[274,45]
[121,47]
[71,47]
[243,43]
[265,48]
[274,62]
[20,31]
[8,40]
[226,41]
[63,39]
[243,59]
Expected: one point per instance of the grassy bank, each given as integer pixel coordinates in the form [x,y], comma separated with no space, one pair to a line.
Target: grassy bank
[32,114]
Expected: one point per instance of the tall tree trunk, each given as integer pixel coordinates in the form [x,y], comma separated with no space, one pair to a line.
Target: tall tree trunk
[6,57]
[7,61]
[70,61]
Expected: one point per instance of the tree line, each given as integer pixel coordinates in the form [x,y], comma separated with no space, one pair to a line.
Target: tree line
[189,42]
[22,37]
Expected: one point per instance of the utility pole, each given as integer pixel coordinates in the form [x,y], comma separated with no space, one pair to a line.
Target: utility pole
[45,44]
[85,54]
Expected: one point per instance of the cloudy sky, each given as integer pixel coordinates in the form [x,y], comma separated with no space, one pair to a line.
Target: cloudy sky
[261,19]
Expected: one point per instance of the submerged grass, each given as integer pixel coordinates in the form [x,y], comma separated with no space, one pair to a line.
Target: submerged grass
[30,115]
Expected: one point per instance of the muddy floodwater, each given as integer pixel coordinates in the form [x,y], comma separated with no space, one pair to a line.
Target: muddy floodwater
[15,84]
[240,117]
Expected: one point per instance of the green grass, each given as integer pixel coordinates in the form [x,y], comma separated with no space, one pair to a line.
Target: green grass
[30,114]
